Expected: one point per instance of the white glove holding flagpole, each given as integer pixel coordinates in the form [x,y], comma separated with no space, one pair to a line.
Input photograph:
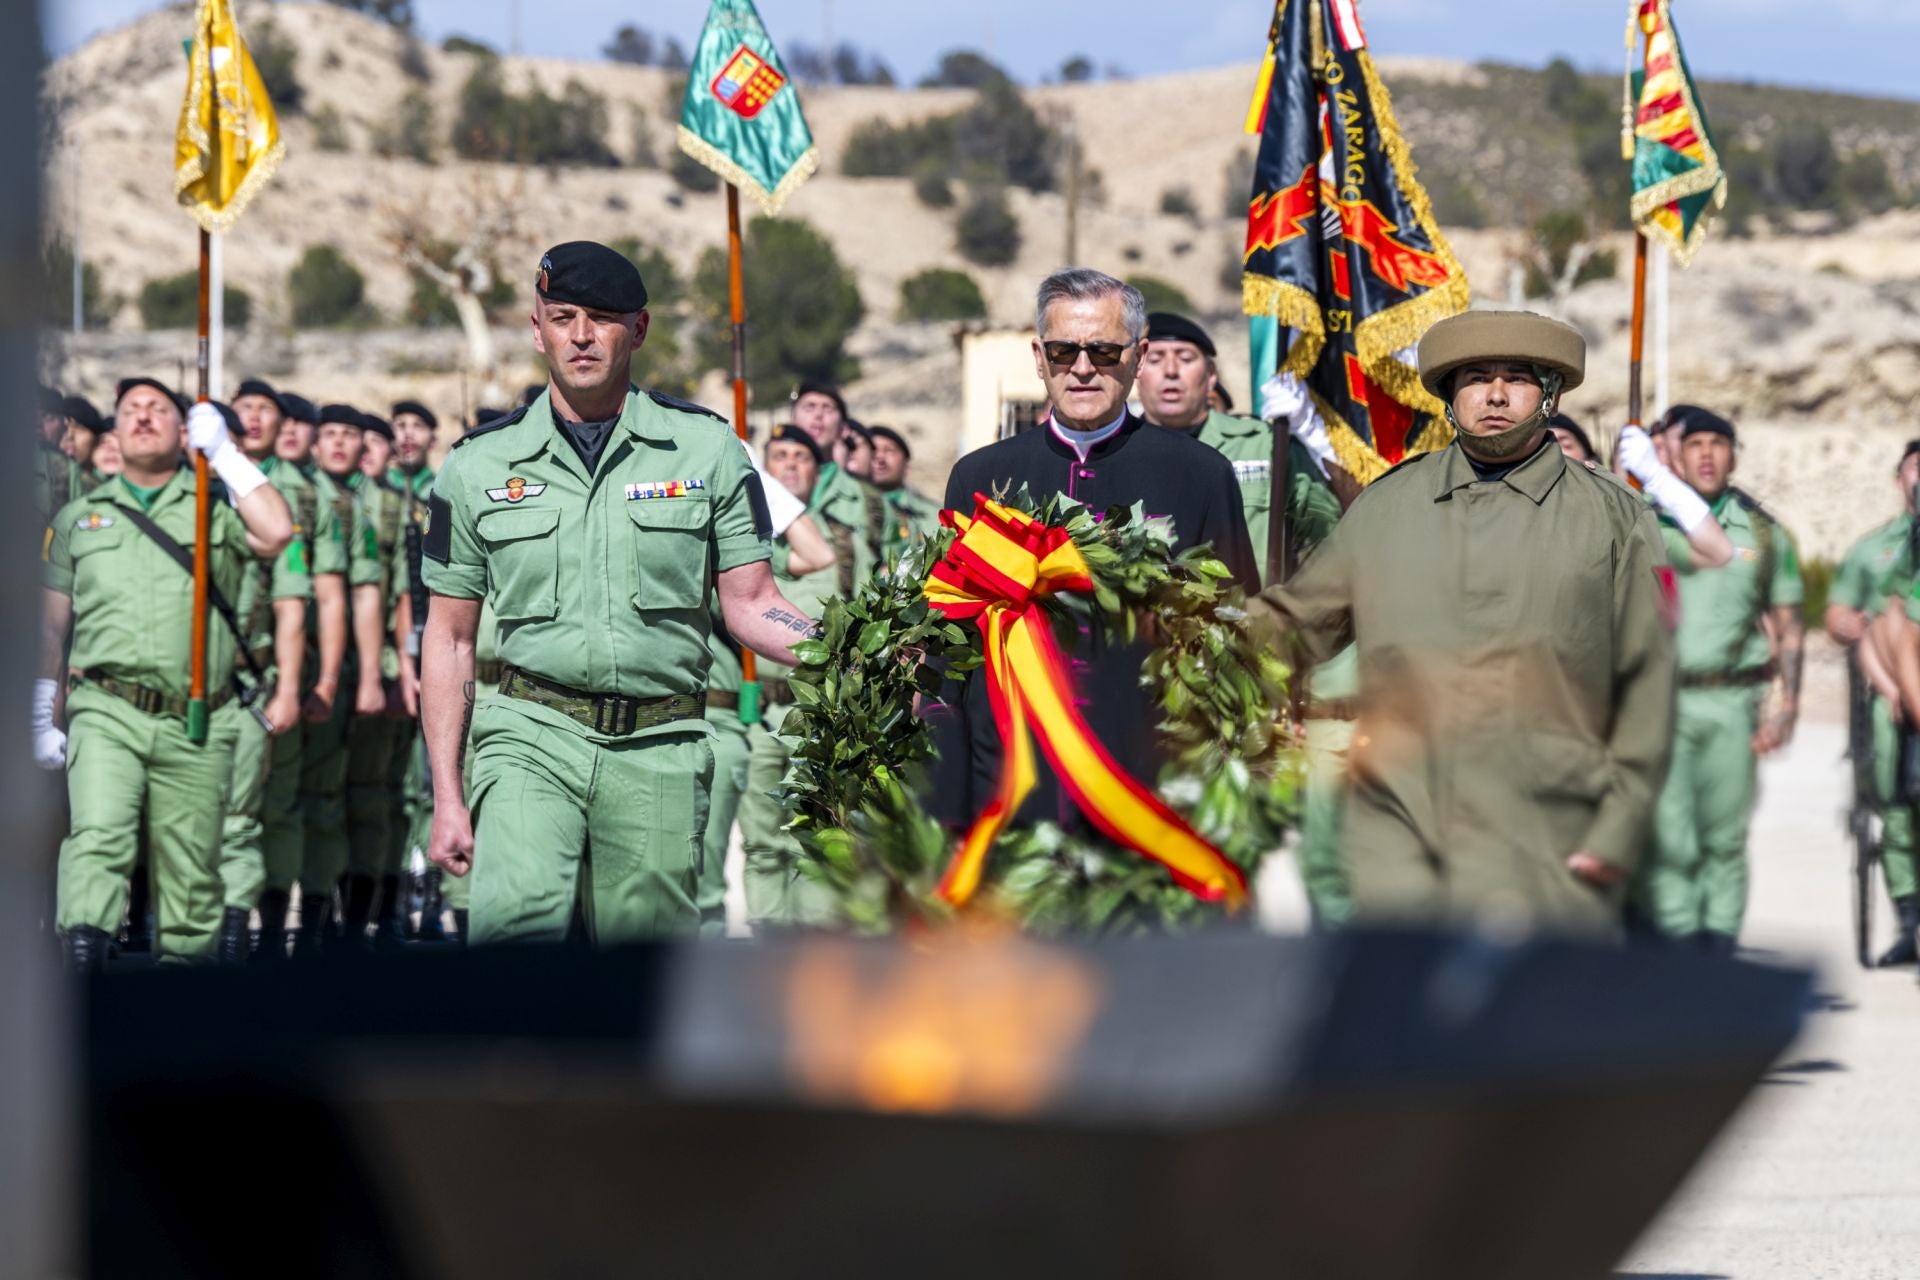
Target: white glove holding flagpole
[1669,492]
[49,742]
[1285,396]
[207,432]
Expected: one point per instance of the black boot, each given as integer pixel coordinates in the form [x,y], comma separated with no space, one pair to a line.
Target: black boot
[390,924]
[87,948]
[460,924]
[1903,950]
[431,928]
[272,946]
[234,936]
[356,909]
[1721,946]
[139,912]
[316,914]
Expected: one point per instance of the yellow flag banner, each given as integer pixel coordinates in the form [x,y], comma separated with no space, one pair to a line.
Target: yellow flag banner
[995,575]
[228,143]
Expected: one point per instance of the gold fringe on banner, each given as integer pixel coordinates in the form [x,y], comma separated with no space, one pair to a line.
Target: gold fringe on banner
[717,160]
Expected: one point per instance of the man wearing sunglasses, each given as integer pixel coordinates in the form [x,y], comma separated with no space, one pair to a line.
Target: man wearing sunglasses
[1090,341]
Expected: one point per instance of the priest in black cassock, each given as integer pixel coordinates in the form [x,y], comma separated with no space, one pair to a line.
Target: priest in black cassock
[1091,448]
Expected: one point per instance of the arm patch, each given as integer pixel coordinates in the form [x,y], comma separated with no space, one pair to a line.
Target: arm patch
[757,495]
[438,544]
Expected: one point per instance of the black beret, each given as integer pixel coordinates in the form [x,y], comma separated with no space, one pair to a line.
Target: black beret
[419,411]
[255,387]
[1562,422]
[591,275]
[128,384]
[826,389]
[377,424]
[787,433]
[299,408]
[1694,420]
[228,416]
[78,411]
[860,429]
[1913,447]
[342,413]
[888,433]
[51,401]
[1165,326]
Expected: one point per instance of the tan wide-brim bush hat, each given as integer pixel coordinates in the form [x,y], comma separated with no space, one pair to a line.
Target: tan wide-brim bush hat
[1501,335]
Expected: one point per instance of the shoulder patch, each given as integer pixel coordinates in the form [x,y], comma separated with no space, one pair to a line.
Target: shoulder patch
[495,425]
[666,401]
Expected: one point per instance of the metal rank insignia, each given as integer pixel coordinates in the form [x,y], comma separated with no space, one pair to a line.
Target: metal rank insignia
[664,489]
[93,521]
[747,83]
[516,489]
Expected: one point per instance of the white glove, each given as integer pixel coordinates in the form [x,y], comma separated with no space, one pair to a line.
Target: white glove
[1285,396]
[207,432]
[1669,492]
[49,743]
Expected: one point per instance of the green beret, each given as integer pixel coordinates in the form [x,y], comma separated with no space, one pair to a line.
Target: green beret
[591,275]
[1474,336]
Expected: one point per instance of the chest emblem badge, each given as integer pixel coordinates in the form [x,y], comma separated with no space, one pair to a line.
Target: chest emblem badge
[93,521]
[516,489]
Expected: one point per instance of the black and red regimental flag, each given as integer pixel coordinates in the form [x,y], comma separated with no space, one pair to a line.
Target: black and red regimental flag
[1345,266]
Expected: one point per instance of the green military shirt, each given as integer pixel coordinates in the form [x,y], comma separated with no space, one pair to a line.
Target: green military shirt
[840,500]
[599,582]
[1311,504]
[908,515]
[132,603]
[1516,677]
[1720,609]
[1876,567]
[289,575]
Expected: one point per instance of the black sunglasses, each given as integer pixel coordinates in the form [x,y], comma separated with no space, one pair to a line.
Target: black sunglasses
[1104,355]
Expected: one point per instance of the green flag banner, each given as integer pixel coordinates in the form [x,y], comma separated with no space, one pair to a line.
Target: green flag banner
[1678,184]
[742,117]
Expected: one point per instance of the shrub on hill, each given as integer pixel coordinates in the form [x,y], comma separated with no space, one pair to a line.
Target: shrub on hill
[494,123]
[173,302]
[998,138]
[325,290]
[409,133]
[277,59]
[987,232]
[941,293]
[97,308]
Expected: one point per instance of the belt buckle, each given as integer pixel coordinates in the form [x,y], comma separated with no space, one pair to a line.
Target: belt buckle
[148,700]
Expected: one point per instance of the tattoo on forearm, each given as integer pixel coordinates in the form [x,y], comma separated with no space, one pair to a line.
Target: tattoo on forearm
[466,724]
[793,622]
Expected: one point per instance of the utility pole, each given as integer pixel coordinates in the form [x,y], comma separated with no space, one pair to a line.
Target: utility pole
[1072,135]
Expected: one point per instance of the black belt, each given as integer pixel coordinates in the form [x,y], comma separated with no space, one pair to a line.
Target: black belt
[775,692]
[724,699]
[1726,679]
[613,714]
[141,698]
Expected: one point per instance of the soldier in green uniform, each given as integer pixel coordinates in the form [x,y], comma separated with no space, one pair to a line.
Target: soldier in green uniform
[598,522]
[1515,708]
[52,470]
[1740,644]
[274,599]
[840,504]
[269,419]
[84,427]
[327,843]
[132,766]
[1877,568]
[909,515]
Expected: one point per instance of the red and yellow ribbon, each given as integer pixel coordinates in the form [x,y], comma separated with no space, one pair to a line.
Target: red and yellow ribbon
[995,574]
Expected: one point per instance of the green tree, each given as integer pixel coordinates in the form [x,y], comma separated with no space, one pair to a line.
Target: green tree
[409,133]
[325,290]
[987,232]
[1000,133]
[494,123]
[964,69]
[690,175]
[802,305]
[1077,70]
[941,293]
[663,283]
[173,302]
[1160,295]
[930,185]
[466,44]
[277,58]
[630,45]
[97,309]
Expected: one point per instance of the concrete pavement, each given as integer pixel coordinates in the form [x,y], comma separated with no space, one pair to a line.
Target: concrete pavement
[1819,1176]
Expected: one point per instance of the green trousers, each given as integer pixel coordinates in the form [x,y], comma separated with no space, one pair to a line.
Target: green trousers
[1696,878]
[1896,819]
[243,866]
[778,893]
[1323,798]
[323,797]
[561,822]
[123,764]
[282,826]
[732,749]
[371,741]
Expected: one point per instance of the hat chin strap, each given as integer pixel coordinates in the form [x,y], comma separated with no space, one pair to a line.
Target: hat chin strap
[1507,444]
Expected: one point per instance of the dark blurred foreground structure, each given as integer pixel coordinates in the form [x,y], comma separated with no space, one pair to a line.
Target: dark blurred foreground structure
[1377,1106]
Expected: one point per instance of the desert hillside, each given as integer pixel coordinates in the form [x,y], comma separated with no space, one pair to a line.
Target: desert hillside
[1807,330]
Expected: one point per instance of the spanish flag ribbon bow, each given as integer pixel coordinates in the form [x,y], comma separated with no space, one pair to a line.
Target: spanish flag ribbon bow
[995,574]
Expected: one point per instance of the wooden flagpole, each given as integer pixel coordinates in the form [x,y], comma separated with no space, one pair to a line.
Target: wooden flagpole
[197,719]
[737,302]
[1638,338]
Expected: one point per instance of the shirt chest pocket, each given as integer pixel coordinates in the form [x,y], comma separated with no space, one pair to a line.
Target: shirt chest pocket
[1256,487]
[523,562]
[94,561]
[671,540]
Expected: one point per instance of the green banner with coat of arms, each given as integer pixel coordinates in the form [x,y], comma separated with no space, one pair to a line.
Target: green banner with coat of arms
[741,117]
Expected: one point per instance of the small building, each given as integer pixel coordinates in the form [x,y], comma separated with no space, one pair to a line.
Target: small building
[1000,393]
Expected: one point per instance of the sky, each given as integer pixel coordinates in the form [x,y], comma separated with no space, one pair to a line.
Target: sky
[1863,45]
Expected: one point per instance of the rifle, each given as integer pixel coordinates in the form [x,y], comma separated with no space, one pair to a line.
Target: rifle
[1864,863]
